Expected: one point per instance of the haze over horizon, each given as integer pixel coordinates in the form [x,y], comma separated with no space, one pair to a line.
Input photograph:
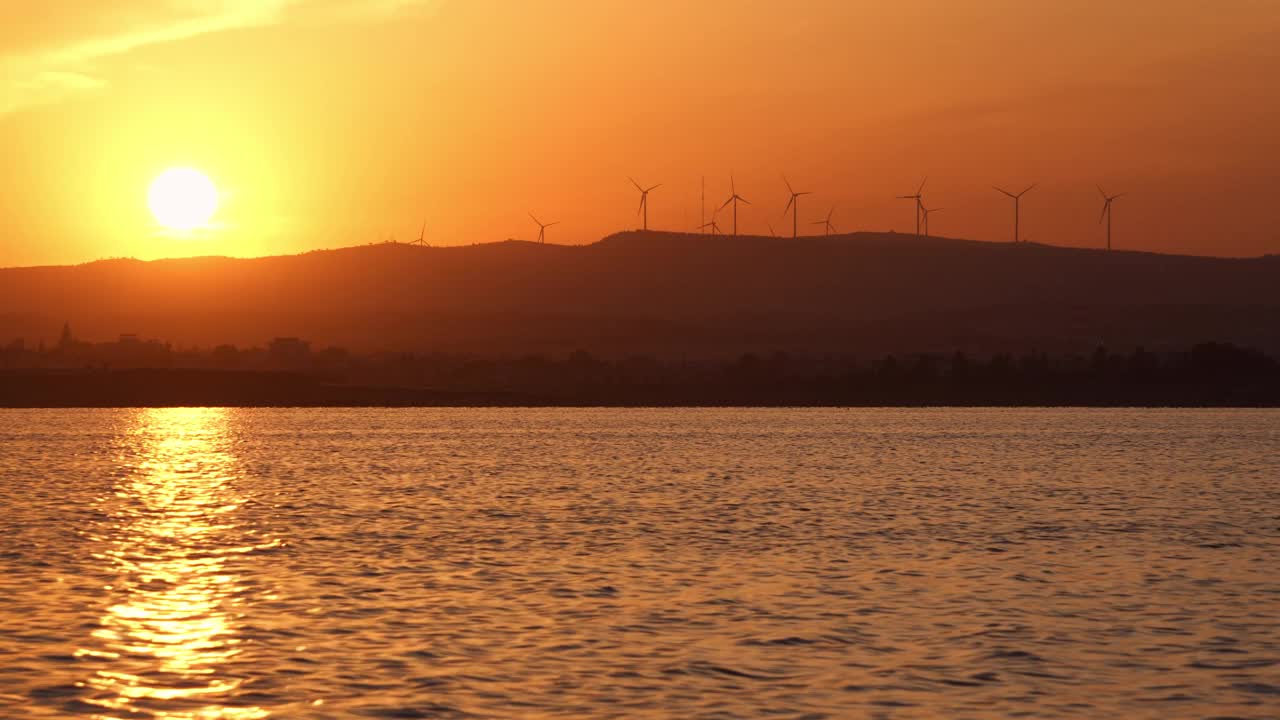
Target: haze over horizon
[337,122]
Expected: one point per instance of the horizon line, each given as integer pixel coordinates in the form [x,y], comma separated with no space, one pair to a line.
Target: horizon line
[638,231]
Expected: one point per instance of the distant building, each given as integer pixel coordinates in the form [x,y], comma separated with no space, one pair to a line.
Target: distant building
[67,341]
[70,352]
[131,351]
[289,352]
[15,354]
[226,357]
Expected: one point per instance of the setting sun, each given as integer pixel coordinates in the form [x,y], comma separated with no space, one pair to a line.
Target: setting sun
[183,199]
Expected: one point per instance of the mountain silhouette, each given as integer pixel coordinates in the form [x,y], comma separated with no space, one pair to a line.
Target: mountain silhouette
[664,293]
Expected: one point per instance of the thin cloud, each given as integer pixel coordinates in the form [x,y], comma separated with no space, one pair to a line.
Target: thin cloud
[51,74]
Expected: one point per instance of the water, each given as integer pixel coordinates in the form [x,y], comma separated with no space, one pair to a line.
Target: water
[207,563]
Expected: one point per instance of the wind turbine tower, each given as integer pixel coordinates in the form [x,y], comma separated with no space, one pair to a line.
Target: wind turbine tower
[644,200]
[735,198]
[713,225]
[919,200]
[1106,211]
[1017,208]
[827,224]
[542,227]
[702,209]
[793,204]
[925,212]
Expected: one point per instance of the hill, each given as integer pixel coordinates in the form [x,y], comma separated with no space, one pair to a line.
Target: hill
[665,293]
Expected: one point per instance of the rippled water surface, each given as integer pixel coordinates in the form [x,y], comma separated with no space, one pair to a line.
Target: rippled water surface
[211,563]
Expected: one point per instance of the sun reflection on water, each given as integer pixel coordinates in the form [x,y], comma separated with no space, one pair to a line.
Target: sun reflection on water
[168,643]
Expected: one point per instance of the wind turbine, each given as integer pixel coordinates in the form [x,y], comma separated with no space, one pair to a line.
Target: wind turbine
[827,223]
[793,204]
[713,225]
[925,212]
[919,198]
[771,232]
[542,227]
[644,200]
[1106,210]
[735,198]
[1017,207]
[422,236]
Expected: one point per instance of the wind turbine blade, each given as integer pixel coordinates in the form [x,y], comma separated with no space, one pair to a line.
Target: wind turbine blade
[1030,187]
[726,203]
[921,188]
[788,184]
[790,202]
[1105,207]
[742,199]
[633,182]
[1102,192]
[641,208]
[551,224]
[535,218]
[1006,192]
[655,187]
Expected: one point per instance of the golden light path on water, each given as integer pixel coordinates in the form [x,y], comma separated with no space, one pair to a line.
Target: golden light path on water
[170,635]
[657,563]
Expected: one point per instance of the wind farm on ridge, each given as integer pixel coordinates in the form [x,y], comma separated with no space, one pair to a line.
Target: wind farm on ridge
[713,225]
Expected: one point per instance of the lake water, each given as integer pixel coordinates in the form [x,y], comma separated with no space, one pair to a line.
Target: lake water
[223,563]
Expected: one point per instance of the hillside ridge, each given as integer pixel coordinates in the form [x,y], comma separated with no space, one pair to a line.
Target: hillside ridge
[664,293]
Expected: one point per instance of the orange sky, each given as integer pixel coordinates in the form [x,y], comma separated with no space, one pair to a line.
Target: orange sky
[339,122]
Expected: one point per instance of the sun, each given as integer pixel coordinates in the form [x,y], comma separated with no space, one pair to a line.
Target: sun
[183,199]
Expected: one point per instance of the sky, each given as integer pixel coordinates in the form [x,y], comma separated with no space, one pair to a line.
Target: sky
[330,123]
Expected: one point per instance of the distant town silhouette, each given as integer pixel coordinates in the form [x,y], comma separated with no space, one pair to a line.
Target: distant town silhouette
[287,371]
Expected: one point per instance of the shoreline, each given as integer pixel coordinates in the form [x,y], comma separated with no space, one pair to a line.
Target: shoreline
[99,388]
